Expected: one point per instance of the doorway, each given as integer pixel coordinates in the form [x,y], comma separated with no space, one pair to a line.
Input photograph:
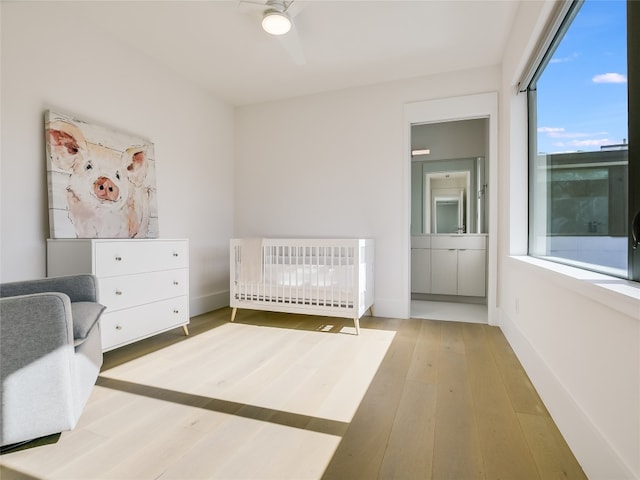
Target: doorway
[437,114]
[449,246]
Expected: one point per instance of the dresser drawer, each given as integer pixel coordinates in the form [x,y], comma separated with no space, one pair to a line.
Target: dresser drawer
[127,257]
[126,291]
[125,326]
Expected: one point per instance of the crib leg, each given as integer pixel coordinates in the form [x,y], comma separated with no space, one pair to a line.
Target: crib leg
[356,322]
[233,313]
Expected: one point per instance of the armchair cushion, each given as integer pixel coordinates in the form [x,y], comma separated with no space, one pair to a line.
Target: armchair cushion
[85,317]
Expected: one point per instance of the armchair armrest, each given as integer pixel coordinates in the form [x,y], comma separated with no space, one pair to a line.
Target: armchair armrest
[79,288]
[32,326]
[36,366]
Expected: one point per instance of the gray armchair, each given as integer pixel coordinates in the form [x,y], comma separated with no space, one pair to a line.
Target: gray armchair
[50,354]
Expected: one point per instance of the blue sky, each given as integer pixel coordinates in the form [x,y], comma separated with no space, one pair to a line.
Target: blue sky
[582,94]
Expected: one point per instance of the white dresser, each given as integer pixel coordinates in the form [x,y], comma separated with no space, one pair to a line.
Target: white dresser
[144,283]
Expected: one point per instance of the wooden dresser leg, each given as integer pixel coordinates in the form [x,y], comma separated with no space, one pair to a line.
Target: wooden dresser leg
[186,330]
[356,322]
[233,313]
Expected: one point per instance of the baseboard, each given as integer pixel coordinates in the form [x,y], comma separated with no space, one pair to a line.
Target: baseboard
[390,308]
[430,297]
[595,454]
[208,303]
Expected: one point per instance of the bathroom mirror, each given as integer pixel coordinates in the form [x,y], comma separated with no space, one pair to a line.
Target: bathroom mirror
[462,180]
[447,215]
[446,195]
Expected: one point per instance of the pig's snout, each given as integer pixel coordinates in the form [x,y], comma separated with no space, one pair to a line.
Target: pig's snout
[105,189]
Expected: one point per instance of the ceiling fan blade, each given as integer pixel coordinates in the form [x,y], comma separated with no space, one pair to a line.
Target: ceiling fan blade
[292,44]
[294,8]
[250,6]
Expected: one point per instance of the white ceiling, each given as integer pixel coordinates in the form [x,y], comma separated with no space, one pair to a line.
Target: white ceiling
[220,44]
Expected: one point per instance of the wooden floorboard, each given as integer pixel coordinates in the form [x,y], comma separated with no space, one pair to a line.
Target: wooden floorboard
[506,455]
[299,397]
[365,441]
[457,451]
[522,394]
[409,451]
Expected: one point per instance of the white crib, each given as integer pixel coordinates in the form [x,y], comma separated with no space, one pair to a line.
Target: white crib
[332,277]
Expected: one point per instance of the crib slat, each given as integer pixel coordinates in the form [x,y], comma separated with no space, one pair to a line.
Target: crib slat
[304,275]
[335,251]
[269,266]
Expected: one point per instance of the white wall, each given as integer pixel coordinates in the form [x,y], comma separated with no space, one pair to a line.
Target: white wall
[576,333]
[48,62]
[333,165]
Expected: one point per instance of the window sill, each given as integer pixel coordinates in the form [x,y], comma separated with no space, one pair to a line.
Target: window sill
[616,293]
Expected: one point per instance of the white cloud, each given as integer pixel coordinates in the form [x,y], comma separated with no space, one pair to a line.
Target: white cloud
[566,59]
[593,142]
[550,129]
[610,78]
[560,132]
[563,141]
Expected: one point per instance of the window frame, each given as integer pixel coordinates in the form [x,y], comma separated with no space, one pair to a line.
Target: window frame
[633,95]
[561,21]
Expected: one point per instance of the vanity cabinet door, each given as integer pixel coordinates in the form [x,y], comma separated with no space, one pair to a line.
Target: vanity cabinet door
[444,271]
[471,273]
[420,270]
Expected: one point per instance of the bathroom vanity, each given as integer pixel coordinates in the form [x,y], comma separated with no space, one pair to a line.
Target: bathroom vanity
[449,264]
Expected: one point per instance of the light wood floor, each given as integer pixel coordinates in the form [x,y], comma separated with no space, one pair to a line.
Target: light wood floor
[285,396]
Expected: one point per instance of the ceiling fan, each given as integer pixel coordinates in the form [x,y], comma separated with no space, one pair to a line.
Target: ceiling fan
[277,20]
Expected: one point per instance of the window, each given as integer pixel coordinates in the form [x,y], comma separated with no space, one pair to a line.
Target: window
[584,179]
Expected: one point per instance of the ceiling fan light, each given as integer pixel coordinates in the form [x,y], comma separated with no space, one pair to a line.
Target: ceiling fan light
[275,22]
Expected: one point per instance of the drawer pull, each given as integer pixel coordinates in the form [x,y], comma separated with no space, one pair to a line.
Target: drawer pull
[175,310]
[118,327]
[118,259]
[175,282]
[118,292]
[175,254]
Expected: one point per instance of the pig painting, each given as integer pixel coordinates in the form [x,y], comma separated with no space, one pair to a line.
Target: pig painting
[101,183]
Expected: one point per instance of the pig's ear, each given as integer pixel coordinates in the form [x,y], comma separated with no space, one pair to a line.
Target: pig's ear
[135,159]
[65,144]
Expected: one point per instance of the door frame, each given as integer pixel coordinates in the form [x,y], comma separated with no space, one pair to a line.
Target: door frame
[465,107]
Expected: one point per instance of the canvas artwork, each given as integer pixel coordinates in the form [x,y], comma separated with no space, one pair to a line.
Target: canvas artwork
[102,182]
